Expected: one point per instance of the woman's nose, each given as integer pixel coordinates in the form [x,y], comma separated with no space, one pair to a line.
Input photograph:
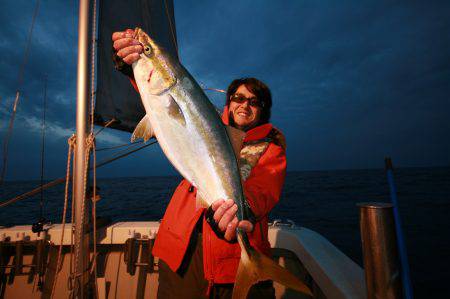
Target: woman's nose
[245,103]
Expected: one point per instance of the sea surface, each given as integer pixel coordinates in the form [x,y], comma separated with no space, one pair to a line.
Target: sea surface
[324,201]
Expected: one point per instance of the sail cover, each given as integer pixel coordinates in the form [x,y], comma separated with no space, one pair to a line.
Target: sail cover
[115,97]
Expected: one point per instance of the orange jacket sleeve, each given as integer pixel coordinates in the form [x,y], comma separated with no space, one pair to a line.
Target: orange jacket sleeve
[133,83]
[264,185]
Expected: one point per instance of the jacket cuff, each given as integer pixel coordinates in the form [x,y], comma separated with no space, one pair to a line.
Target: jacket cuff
[248,213]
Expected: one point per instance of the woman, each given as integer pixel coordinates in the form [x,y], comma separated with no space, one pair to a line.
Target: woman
[197,249]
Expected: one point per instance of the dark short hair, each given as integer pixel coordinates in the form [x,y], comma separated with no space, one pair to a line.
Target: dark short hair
[259,89]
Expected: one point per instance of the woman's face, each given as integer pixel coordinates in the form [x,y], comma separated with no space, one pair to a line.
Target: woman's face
[245,109]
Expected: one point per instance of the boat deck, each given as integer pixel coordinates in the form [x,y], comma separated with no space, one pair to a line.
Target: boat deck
[129,271]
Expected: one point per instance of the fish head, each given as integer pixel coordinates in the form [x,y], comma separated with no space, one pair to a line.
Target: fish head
[154,69]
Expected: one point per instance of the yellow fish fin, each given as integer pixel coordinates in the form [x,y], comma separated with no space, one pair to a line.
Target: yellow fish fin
[143,130]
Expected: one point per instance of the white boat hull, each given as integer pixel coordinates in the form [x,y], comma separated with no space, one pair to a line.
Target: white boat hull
[329,272]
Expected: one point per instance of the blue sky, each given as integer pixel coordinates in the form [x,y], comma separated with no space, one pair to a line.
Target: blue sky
[352,81]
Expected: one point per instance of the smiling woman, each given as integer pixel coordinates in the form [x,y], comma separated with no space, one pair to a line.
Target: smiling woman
[352,83]
[249,101]
[259,175]
[244,109]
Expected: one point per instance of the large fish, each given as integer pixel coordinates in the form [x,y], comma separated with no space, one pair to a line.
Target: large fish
[194,139]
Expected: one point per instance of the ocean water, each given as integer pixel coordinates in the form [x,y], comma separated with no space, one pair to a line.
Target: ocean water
[324,201]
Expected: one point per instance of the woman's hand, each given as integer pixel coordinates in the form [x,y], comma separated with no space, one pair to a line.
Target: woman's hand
[225,217]
[126,46]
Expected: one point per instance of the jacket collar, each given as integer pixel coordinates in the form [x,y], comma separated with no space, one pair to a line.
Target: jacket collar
[256,133]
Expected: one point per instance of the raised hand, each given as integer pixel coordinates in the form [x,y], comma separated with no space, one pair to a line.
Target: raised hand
[225,217]
[126,46]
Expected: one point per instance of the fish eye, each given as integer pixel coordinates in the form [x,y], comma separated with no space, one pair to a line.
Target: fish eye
[147,50]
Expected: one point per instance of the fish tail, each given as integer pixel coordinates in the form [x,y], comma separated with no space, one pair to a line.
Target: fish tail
[255,266]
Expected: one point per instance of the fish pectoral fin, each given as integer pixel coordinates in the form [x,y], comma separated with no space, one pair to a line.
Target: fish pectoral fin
[200,201]
[255,266]
[174,110]
[143,130]
[237,139]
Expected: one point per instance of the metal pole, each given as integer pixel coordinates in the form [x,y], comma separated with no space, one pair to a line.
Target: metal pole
[381,263]
[81,241]
[406,281]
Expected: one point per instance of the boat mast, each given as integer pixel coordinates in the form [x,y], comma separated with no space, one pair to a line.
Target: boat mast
[81,239]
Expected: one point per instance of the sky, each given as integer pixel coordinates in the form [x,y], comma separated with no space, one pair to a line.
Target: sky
[352,81]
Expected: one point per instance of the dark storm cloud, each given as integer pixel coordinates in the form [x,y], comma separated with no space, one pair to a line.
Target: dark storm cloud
[51,53]
[351,81]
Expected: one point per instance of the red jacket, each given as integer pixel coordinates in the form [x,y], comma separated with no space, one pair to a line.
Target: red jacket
[262,189]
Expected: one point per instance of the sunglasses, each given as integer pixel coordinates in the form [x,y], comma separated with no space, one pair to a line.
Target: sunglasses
[240,99]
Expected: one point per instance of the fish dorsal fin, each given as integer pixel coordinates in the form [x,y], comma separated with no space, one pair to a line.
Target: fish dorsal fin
[143,130]
[237,139]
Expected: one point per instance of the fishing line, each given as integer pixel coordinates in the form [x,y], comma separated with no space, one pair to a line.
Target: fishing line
[41,204]
[105,126]
[203,86]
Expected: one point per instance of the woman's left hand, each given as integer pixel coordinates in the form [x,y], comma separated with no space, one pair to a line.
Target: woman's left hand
[225,217]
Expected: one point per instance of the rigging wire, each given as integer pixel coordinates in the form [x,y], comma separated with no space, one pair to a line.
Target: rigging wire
[124,154]
[61,180]
[7,138]
[117,146]
[172,29]
[16,101]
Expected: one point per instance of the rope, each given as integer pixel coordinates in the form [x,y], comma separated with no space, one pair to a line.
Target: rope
[91,146]
[71,150]
[94,216]
[19,83]
[70,278]
[89,141]
[93,47]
